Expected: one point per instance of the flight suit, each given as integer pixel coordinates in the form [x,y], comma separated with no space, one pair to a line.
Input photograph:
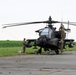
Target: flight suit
[63,34]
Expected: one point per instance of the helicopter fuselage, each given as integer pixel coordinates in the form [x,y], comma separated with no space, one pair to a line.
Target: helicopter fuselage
[48,38]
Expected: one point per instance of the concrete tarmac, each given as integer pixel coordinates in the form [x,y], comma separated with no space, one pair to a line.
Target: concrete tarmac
[52,64]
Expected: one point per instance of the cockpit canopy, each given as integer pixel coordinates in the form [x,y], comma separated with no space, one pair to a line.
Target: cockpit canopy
[47,32]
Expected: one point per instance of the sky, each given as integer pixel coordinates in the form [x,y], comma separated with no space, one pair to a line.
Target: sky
[20,11]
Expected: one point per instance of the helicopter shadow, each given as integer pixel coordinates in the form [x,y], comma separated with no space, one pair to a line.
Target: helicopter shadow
[53,53]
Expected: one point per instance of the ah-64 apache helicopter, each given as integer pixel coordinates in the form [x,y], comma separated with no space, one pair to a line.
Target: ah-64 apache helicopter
[49,38]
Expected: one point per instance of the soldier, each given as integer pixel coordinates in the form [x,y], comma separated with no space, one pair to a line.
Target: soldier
[62,31]
[24,45]
[63,34]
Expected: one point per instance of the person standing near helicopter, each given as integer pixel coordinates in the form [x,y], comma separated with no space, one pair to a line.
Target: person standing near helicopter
[24,45]
[62,34]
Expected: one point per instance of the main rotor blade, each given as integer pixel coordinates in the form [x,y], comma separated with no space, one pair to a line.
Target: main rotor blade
[73,24]
[70,23]
[19,24]
[49,22]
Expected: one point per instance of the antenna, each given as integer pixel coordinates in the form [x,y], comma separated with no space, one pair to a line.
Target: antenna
[68,29]
[68,25]
[62,16]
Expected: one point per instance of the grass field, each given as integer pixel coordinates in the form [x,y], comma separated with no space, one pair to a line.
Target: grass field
[10,48]
[10,43]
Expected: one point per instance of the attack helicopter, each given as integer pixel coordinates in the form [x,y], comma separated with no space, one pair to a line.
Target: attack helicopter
[49,37]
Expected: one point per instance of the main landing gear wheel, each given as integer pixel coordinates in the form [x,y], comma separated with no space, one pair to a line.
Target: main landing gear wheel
[57,51]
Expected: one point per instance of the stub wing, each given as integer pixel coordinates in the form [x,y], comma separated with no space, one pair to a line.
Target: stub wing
[68,40]
[31,42]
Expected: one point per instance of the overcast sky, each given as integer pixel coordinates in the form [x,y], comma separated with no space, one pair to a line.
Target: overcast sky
[18,11]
